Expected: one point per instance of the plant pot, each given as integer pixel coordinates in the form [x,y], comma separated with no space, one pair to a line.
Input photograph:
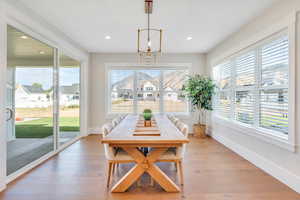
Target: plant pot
[147,123]
[199,130]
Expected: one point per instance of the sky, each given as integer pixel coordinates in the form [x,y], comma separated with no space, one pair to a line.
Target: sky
[44,76]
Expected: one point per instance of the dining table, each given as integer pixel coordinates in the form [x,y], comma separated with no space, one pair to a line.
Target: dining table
[166,136]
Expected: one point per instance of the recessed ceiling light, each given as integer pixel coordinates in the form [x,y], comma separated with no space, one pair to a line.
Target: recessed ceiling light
[189,38]
[42,52]
[107,37]
[24,37]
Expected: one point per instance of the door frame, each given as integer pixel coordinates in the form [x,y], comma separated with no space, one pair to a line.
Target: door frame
[16,17]
[3,60]
[13,108]
[81,110]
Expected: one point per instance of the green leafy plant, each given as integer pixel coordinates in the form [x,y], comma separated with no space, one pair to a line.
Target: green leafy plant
[147,111]
[200,90]
[147,114]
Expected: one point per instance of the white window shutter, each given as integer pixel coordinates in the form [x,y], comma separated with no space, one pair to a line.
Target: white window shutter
[245,69]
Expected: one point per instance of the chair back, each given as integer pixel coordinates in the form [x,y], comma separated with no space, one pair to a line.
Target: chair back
[115,122]
[181,150]
[109,151]
[123,116]
[170,117]
[185,130]
[175,121]
[106,129]
[179,125]
[119,118]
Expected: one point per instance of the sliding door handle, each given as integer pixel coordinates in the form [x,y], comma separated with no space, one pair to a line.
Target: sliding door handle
[10,112]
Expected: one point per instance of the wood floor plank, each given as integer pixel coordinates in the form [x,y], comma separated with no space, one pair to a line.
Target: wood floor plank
[211,172]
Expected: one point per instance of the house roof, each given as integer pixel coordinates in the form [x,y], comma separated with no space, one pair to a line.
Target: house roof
[70,89]
[33,89]
[172,80]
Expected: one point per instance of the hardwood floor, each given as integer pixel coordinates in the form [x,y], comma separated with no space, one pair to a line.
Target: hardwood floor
[212,172]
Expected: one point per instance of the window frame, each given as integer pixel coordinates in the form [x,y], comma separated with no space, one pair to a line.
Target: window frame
[286,141]
[135,66]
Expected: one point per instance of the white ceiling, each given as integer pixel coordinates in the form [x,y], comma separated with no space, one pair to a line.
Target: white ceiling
[87,22]
[27,51]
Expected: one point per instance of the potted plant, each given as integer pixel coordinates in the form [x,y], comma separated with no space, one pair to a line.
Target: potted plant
[147,114]
[199,90]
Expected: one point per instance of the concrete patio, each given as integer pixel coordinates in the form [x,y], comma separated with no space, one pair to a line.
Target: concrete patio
[21,152]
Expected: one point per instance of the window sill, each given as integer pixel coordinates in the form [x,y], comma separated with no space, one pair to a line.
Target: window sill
[260,133]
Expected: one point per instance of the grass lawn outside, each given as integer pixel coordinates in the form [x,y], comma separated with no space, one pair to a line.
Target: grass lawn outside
[43,127]
[46,112]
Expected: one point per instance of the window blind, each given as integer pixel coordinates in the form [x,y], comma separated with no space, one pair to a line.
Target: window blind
[275,62]
[244,107]
[274,109]
[223,105]
[266,92]
[245,69]
[225,75]
[274,102]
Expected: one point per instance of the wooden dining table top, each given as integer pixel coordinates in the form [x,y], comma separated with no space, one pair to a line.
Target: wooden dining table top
[123,133]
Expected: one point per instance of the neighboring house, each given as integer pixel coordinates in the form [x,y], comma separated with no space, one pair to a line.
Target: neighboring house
[148,87]
[27,96]
[69,95]
[170,95]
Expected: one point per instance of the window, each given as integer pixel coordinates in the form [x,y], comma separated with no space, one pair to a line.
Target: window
[253,86]
[148,98]
[132,91]
[222,76]
[274,85]
[121,91]
[149,88]
[245,66]
[174,99]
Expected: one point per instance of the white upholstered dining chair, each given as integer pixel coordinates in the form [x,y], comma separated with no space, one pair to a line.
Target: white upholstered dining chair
[115,122]
[111,155]
[178,156]
[179,124]
[171,117]
[175,120]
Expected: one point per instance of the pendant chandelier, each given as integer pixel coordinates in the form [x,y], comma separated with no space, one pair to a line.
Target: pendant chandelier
[149,49]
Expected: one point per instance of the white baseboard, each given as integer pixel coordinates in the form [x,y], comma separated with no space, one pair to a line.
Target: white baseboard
[96,130]
[283,175]
[2,187]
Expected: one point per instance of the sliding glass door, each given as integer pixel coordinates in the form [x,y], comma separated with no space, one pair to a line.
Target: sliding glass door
[69,99]
[29,103]
[42,99]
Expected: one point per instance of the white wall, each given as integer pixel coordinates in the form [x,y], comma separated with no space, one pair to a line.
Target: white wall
[2,103]
[279,162]
[97,80]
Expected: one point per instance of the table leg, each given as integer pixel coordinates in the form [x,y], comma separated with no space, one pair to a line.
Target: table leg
[145,164]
